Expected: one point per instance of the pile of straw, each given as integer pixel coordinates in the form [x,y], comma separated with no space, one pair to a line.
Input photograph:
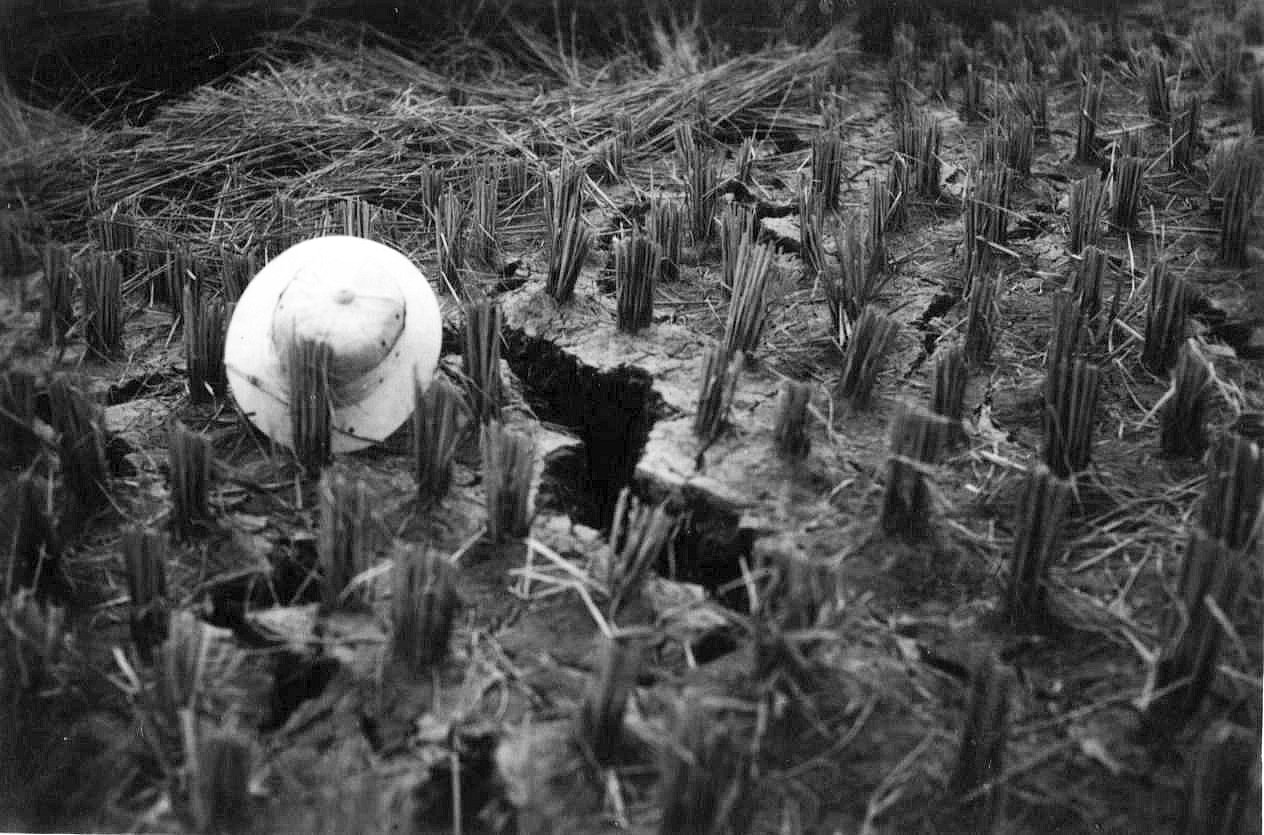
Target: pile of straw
[354,119]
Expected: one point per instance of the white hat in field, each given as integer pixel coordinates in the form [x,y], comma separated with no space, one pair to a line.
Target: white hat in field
[368,303]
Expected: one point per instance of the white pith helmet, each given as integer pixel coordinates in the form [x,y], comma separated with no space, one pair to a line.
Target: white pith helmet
[368,303]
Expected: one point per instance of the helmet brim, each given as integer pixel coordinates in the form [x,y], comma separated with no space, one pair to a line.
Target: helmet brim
[256,375]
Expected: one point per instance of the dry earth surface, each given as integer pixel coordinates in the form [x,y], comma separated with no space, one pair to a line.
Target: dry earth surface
[849,722]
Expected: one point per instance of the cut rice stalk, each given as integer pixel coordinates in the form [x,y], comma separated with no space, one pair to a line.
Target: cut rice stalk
[827,168]
[1086,284]
[1218,783]
[481,360]
[855,284]
[81,440]
[101,277]
[1233,498]
[918,137]
[599,724]
[790,432]
[917,439]
[32,560]
[189,468]
[738,225]
[424,606]
[1071,393]
[484,243]
[451,221]
[1186,135]
[205,329]
[863,356]
[636,265]
[640,535]
[220,762]
[311,403]
[703,774]
[567,233]
[977,785]
[439,416]
[1157,91]
[1086,201]
[508,464]
[1186,666]
[145,558]
[345,538]
[949,390]
[57,309]
[1166,311]
[1040,512]
[1183,417]
[748,309]
[719,380]
[1127,180]
[665,226]
[1243,175]
[1088,118]
[20,443]
[981,313]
